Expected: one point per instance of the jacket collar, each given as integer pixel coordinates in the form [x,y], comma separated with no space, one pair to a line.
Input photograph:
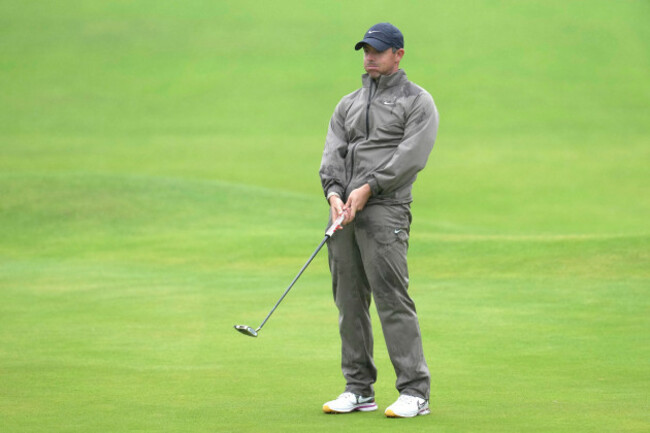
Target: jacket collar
[385,81]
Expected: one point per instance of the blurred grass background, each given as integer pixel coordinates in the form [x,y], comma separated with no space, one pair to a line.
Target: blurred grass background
[158,184]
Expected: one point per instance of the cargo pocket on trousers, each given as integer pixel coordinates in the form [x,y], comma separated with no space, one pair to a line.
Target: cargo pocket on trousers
[387,236]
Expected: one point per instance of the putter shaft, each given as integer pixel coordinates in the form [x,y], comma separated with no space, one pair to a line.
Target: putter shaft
[336,225]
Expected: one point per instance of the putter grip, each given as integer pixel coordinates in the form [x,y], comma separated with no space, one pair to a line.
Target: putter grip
[335,226]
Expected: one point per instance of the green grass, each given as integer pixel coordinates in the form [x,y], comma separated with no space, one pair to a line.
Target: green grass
[158,184]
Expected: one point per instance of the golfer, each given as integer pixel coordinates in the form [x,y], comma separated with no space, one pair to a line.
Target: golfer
[379,138]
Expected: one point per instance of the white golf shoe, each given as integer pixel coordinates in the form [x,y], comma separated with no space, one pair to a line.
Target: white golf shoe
[408,406]
[349,402]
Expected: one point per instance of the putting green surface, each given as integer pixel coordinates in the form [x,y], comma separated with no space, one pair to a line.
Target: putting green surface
[158,185]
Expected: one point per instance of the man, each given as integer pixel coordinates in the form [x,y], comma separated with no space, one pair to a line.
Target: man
[379,138]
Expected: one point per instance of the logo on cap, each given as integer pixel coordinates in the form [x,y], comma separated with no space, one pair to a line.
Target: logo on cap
[381,37]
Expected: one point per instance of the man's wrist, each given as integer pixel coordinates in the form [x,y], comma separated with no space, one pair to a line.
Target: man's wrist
[331,194]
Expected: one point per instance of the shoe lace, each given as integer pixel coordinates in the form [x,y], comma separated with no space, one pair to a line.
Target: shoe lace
[407,399]
[348,396]
[352,397]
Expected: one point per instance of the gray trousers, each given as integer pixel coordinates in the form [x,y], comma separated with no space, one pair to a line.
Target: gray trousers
[368,257]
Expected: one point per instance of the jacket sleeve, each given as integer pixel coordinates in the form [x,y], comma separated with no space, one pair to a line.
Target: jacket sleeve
[332,168]
[412,153]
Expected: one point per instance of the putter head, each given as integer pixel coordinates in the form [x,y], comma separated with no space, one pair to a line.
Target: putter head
[246,330]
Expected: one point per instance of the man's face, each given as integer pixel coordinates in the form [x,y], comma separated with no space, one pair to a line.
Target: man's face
[378,63]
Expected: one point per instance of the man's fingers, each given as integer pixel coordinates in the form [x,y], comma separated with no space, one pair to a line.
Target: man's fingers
[349,215]
[336,212]
[356,202]
[340,209]
[336,207]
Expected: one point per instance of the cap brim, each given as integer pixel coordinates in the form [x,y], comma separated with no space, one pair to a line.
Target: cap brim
[375,43]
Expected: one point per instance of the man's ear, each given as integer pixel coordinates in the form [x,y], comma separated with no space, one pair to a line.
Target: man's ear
[399,53]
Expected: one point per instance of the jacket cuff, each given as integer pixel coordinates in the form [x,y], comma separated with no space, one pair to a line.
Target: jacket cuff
[374,186]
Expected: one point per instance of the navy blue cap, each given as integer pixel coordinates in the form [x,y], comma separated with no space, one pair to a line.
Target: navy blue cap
[381,37]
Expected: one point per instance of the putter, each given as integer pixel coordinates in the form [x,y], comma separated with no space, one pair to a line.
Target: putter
[247,330]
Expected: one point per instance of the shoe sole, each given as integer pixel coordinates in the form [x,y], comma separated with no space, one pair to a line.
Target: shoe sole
[363,408]
[390,414]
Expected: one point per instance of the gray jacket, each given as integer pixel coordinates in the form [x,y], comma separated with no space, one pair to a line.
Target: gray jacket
[382,135]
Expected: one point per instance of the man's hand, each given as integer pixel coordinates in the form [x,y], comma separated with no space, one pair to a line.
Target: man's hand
[337,208]
[356,202]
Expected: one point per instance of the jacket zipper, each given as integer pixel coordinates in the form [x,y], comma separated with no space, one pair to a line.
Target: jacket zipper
[368,110]
[367,135]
